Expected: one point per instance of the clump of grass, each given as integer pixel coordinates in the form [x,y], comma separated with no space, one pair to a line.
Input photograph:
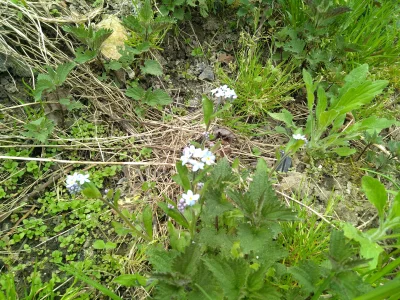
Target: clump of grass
[261,85]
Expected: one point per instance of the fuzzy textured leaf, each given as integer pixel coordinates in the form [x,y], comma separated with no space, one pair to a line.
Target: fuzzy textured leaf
[151,67]
[231,274]
[376,193]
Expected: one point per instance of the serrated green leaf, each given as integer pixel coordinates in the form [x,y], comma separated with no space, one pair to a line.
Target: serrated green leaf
[222,172]
[129,280]
[135,92]
[70,105]
[231,274]
[146,13]
[82,56]
[214,239]
[147,219]
[62,72]
[157,97]
[376,194]
[186,262]
[307,273]
[344,151]
[161,259]
[151,67]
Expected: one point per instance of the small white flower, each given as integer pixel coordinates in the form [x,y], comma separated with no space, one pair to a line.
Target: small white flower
[208,157]
[197,165]
[75,181]
[82,178]
[190,198]
[198,153]
[71,179]
[299,136]
[224,92]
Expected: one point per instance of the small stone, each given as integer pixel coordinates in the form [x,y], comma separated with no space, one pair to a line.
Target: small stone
[207,74]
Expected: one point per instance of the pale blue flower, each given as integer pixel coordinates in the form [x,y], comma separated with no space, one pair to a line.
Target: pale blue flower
[190,198]
[208,157]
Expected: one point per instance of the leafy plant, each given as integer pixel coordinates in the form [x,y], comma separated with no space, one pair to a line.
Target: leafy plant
[52,80]
[150,97]
[92,38]
[180,9]
[389,219]
[145,27]
[39,129]
[324,125]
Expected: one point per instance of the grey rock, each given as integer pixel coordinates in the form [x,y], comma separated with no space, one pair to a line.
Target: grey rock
[207,74]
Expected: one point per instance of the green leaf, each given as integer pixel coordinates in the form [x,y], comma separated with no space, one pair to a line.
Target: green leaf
[208,108]
[151,67]
[82,56]
[39,129]
[178,239]
[146,13]
[91,191]
[157,97]
[395,209]
[135,92]
[186,262]
[376,193]
[358,96]
[322,102]
[307,273]
[326,118]
[344,151]
[81,276]
[369,249]
[310,89]
[382,292]
[114,65]
[161,259]
[284,116]
[130,280]
[147,218]
[222,172]
[174,214]
[183,175]
[231,274]
[62,72]
[70,105]
[99,245]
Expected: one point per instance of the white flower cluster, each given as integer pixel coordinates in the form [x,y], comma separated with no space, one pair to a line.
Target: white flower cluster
[74,182]
[299,136]
[190,153]
[188,199]
[224,92]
